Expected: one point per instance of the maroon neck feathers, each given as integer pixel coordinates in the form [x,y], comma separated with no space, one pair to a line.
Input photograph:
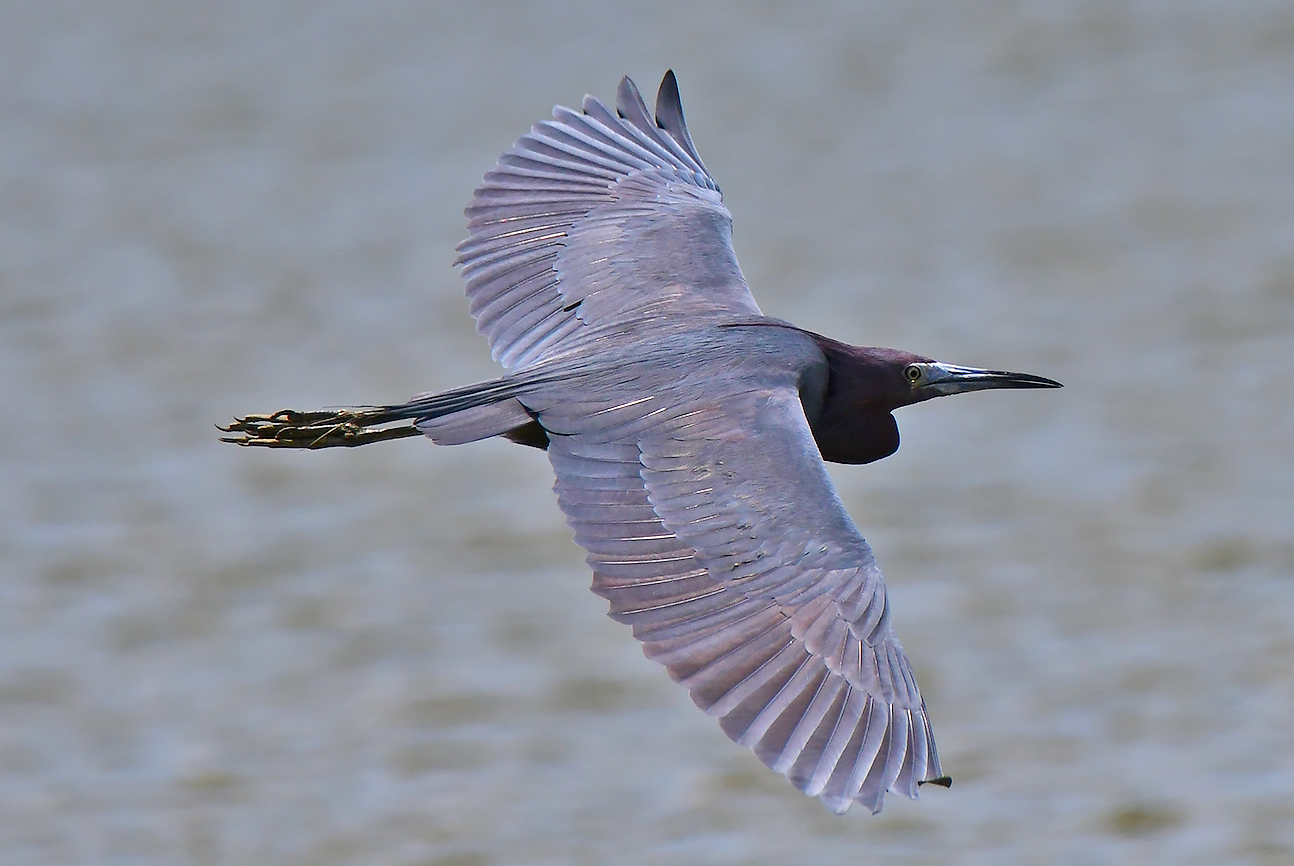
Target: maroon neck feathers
[864,385]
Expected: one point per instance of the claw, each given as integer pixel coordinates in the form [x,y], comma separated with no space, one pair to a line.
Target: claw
[288,428]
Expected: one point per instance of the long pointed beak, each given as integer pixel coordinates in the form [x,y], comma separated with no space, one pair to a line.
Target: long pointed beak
[941,379]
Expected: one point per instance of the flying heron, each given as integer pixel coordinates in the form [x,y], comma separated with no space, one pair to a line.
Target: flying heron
[687,432]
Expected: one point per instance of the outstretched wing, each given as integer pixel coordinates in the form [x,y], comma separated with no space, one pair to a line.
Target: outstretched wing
[713,529]
[594,219]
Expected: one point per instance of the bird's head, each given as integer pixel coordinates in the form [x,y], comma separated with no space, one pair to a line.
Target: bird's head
[924,378]
[852,421]
[888,378]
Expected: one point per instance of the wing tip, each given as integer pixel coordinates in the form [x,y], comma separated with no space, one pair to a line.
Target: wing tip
[669,108]
[668,93]
[669,117]
[629,100]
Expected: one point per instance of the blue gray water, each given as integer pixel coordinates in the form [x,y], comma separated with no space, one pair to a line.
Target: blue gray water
[212,655]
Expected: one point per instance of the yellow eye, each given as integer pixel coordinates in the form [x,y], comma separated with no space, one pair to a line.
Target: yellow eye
[912,373]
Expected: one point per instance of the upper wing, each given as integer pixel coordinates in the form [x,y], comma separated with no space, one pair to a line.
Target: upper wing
[714,530]
[598,218]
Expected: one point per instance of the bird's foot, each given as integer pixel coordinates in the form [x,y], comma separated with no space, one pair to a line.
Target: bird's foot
[941,781]
[337,428]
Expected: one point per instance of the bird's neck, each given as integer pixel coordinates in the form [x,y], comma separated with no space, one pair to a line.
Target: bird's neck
[855,437]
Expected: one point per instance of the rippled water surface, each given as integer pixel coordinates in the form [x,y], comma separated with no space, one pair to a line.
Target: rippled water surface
[390,656]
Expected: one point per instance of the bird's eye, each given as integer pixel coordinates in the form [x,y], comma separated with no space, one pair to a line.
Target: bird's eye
[912,373]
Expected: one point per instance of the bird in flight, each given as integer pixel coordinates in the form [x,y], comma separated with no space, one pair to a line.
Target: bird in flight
[687,432]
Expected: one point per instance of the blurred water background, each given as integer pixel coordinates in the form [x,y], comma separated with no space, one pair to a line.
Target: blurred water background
[213,655]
